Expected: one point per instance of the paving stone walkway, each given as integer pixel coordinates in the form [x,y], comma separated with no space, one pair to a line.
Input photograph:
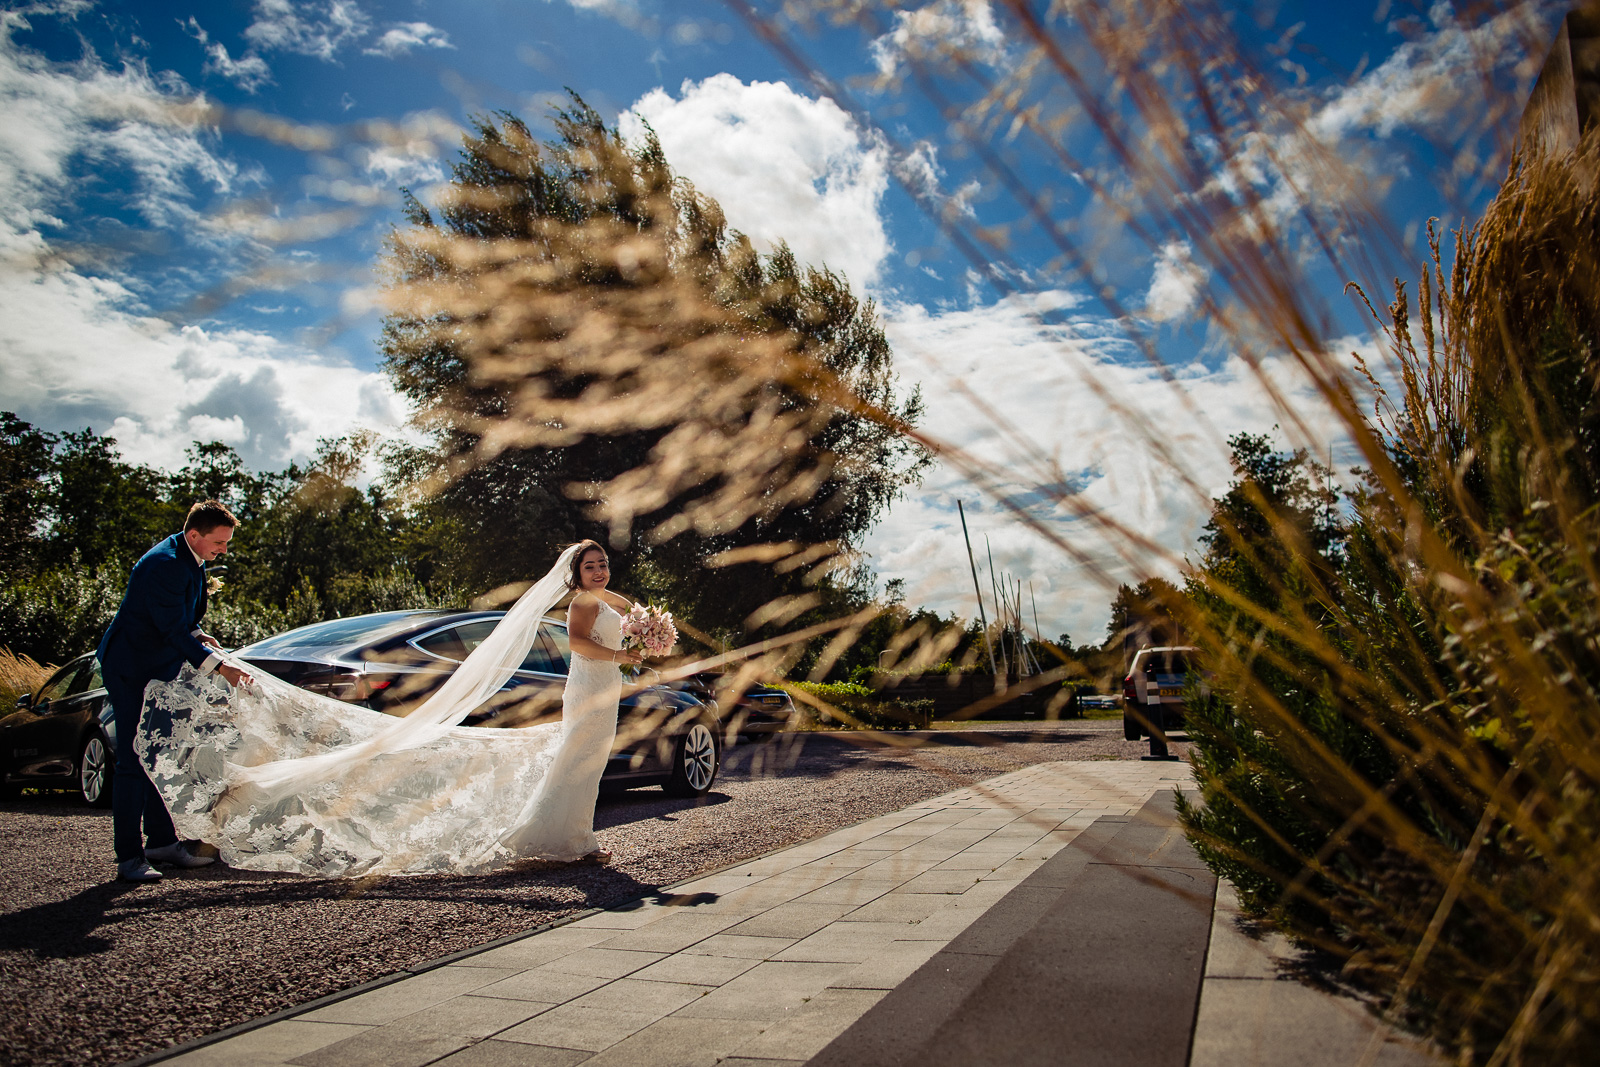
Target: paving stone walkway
[759,965]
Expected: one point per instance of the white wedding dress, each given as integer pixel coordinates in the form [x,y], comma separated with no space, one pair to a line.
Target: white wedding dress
[281,779]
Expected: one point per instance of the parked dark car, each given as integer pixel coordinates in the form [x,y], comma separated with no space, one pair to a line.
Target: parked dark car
[61,737]
[390,661]
[761,712]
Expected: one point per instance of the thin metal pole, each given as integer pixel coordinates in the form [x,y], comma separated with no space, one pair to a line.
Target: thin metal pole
[1037,633]
[982,619]
[1000,619]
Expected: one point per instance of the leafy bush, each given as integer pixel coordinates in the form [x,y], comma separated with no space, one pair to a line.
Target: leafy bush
[849,706]
[1397,762]
[60,613]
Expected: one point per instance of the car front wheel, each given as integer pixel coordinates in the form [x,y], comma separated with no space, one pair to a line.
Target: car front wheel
[694,763]
[95,771]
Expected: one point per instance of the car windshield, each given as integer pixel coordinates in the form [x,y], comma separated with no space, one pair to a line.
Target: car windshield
[337,633]
[1166,663]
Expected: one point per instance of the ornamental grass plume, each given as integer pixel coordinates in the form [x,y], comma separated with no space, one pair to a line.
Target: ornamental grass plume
[1395,760]
[1397,756]
[19,675]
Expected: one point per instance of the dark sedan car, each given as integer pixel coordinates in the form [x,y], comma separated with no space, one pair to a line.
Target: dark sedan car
[391,660]
[760,712]
[61,737]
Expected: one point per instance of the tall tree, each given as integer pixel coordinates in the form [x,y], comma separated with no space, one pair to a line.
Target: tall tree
[593,353]
[26,459]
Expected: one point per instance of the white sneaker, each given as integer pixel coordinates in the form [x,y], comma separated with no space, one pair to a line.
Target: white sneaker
[137,870]
[177,855]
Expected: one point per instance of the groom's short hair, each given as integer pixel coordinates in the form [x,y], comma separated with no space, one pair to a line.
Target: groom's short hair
[207,516]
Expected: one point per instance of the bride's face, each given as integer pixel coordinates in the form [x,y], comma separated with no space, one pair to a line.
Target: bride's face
[595,570]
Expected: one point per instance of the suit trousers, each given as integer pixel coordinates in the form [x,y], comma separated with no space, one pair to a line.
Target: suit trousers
[133,796]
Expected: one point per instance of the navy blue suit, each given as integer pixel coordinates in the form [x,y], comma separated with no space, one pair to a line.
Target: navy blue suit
[150,638]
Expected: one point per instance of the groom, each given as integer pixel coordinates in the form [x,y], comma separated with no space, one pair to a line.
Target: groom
[155,630]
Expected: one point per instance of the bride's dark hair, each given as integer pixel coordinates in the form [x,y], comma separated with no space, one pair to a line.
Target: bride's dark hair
[574,577]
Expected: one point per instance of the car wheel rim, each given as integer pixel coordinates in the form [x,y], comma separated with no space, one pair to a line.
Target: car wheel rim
[93,775]
[699,756]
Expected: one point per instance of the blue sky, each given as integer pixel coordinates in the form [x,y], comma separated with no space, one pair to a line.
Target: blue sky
[174,274]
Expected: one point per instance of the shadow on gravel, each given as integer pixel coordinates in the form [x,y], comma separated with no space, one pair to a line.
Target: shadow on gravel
[63,929]
[621,808]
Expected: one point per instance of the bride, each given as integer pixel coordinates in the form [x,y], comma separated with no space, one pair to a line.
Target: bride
[280,779]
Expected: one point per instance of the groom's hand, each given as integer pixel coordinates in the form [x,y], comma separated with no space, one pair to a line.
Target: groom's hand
[234,675]
[210,642]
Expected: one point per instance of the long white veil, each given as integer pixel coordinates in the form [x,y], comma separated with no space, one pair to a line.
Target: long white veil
[481,675]
[288,780]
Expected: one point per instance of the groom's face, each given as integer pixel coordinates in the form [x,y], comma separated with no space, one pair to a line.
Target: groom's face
[211,544]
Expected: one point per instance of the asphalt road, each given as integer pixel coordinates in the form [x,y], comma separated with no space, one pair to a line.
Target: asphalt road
[92,971]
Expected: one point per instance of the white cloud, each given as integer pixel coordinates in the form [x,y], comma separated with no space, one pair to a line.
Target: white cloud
[1065,405]
[310,29]
[943,30]
[402,37]
[920,172]
[1174,284]
[1437,84]
[1429,78]
[249,72]
[404,165]
[782,165]
[82,349]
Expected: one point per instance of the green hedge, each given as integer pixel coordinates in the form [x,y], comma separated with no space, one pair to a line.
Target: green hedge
[860,708]
[63,613]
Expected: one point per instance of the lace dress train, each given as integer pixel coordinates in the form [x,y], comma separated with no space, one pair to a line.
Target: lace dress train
[280,779]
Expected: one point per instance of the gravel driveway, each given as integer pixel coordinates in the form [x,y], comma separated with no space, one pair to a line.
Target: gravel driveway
[92,971]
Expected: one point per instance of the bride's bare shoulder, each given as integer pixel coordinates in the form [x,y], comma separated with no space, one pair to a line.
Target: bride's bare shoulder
[585,602]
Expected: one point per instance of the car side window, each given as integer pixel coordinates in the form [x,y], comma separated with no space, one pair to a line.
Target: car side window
[457,642]
[60,685]
[446,644]
[85,680]
[96,679]
[554,638]
[538,658]
[472,634]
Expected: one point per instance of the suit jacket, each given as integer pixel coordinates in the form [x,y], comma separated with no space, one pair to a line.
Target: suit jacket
[153,632]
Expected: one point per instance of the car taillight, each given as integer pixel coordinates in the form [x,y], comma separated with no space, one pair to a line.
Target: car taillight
[1128,692]
[348,686]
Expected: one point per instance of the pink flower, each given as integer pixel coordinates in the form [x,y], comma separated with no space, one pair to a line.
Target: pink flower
[649,630]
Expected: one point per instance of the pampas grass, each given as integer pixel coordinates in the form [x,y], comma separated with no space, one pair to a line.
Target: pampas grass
[19,675]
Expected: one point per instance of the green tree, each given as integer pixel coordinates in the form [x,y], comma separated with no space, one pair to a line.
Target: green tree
[1150,612]
[27,457]
[567,231]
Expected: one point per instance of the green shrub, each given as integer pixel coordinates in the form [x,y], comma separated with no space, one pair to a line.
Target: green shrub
[848,705]
[1398,760]
[54,616]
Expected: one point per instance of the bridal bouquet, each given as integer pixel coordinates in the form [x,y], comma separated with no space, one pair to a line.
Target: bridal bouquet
[648,630]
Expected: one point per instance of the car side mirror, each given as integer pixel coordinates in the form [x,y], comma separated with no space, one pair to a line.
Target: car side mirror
[25,701]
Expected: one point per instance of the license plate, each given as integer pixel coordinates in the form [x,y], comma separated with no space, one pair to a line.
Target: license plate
[1169,692]
[772,701]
